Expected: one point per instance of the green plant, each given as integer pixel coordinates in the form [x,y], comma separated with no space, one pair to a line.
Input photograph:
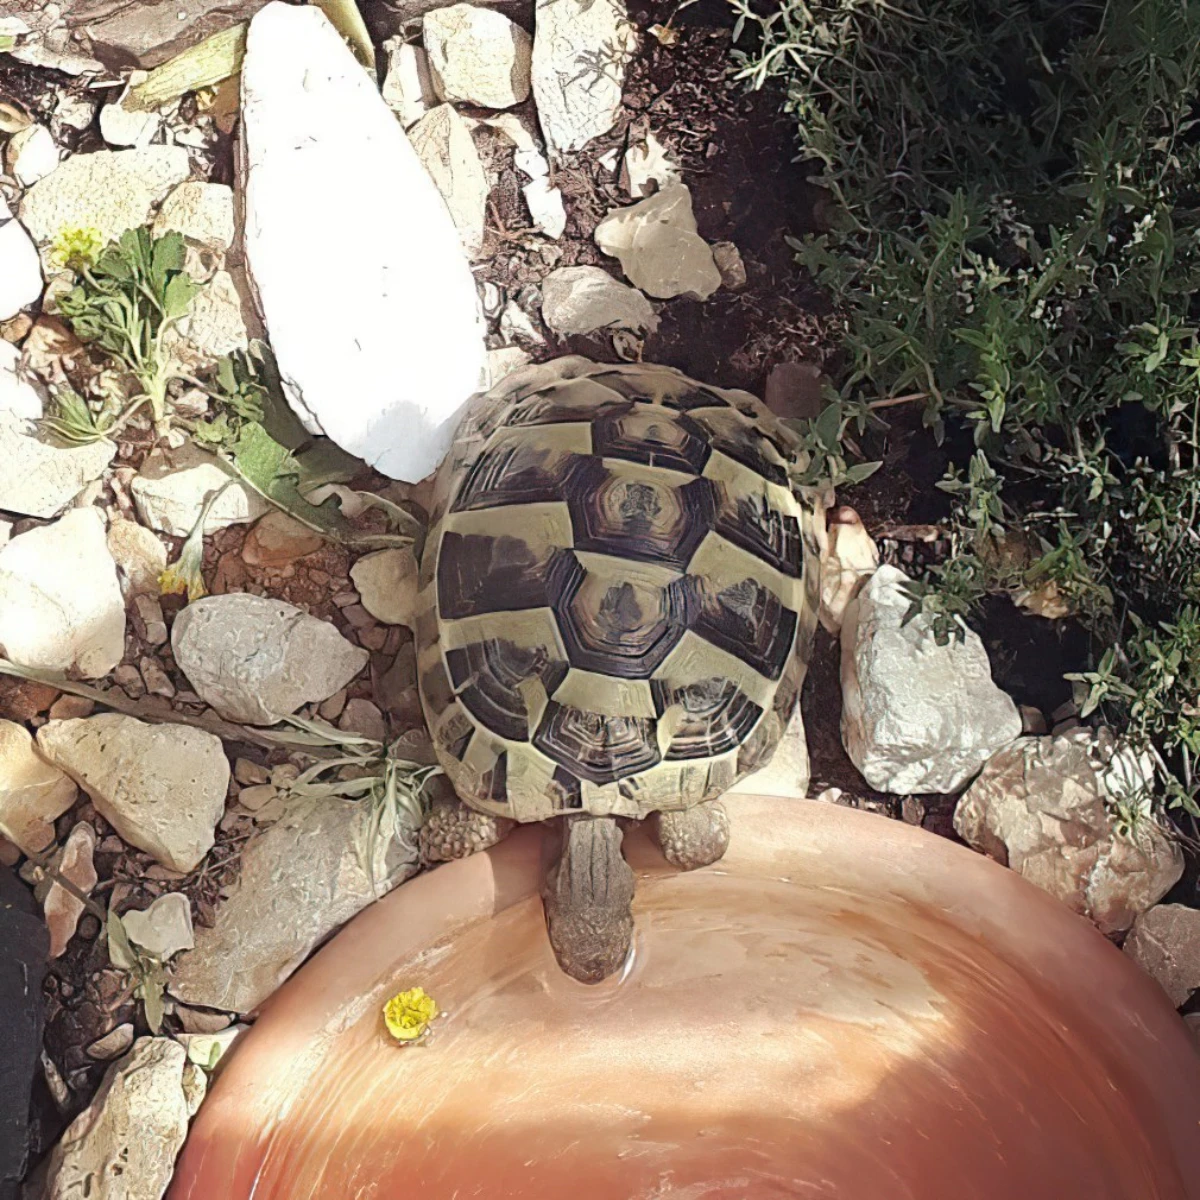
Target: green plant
[1016,249]
[148,974]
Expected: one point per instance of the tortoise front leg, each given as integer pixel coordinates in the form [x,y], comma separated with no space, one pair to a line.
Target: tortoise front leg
[588,897]
[452,830]
[692,837]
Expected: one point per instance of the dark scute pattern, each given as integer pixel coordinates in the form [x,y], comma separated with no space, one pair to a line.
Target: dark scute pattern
[687,398]
[455,733]
[763,531]
[648,435]
[487,676]
[566,792]
[743,443]
[638,519]
[751,623]
[594,747]
[547,410]
[618,634]
[478,574]
[513,471]
[718,717]
[493,786]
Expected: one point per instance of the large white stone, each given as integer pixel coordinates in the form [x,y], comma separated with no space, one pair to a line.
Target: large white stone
[257,660]
[174,485]
[33,794]
[916,716]
[39,478]
[60,602]
[161,787]
[581,49]
[367,296]
[407,87]
[579,300]
[477,56]
[444,143]
[123,1146]
[20,267]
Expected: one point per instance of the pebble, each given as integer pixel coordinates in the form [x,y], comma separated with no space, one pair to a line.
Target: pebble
[113,1044]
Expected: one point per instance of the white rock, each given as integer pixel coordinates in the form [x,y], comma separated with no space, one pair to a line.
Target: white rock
[387,584]
[140,557]
[215,324]
[174,484]
[20,267]
[581,49]
[257,660]
[545,202]
[658,246]
[164,929]
[505,361]
[109,191]
[578,300]
[546,207]
[122,126]
[207,1049]
[204,214]
[443,141]
[517,325]
[730,264]
[63,908]
[33,793]
[21,394]
[648,166]
[850,559]
[788,772]
[916,716]
[60,602]
[376,325]
[31,154]
[477,56]
[408,85]
[39,478]
[123,1146]
[1165,943]
[300,879]
[161,787]
[1042,807]
[113,1044]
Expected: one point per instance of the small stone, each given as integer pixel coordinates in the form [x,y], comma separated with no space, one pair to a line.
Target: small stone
[140,557]
[204,214]
[129,680]
[21,395]
[20,266]
[477,56]
[849,561]
[362,717]
[277,540]
[331,709]
[1033,722]
[75,111]
[63,908]
[516,325]
[33,794]
[69,708]
[246,771]
[387,582]
[215,324]
[912,810]
[157,681]
[580,300]
[658,246]
[197,1021]
[408,85]
[164,929]
[161,787]
[546,207]
[123,126]
[793,391]
[649,169]
[581,49]
[50,346]
[31,155]
[113,1044]
[443,142]
[174,485]
[60,603]
[1165,943]
[257,660]
[729,262]
[39,478]
[505,361]
[149,610]
[257,796]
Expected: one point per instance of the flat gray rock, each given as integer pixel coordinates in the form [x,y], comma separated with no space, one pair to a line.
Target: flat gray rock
[580,300]
[1165,943]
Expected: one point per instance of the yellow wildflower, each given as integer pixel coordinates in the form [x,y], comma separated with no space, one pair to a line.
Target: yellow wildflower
[408,1014]
[184,576]
[77,249]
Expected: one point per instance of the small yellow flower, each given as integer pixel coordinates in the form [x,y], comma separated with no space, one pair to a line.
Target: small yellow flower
[182,580]
[408,1014]
[77,248]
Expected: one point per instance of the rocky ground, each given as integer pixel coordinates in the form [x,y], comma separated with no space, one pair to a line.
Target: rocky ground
[638,210]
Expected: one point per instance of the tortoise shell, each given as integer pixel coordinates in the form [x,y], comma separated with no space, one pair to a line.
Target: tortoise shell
[617,593]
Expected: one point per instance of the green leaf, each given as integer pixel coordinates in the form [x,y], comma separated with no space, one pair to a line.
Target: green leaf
[120,949]
[180,291]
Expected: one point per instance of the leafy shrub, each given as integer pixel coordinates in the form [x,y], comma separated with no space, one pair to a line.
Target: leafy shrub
[1017,249]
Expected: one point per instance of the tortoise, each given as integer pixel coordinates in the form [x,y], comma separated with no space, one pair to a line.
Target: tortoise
[616,603]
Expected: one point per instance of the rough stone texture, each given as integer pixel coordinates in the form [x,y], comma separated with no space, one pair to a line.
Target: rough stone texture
[300,880]
[1043,807]
[123,1146]
[579,300]
[60,602]
[730,264]
[23,956]
[113,1044]
[174,484]
[161,787]
[109,191]
[505,361]
[916,716]
[443,142]
[20,267]
[39,478]
[277,540]
[658,247]
[204,214]
[123,126]
[21,394]
[408,86]
[581,49]
[140,557]
[63,908]
[43,37]
[376,326]
[545,202]
[164,929]
[648,167]
[257,660]
[31,154]
[387,582]
[788,773]
[1165,943]
[215,324]
[477,56]
[33,794]
[850,559]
